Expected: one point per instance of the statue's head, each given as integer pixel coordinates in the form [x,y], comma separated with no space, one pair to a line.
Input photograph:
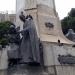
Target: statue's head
[12,26]
[70,31]
[12,29]
[22,12]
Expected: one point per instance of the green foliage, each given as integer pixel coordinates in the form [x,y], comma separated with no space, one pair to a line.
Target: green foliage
[69,21]
[72,12]
[4,27]
[3,41]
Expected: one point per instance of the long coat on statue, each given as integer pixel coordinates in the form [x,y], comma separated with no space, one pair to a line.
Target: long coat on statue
[30,43]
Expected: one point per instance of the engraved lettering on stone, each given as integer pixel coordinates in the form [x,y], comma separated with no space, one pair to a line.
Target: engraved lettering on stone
[66,59]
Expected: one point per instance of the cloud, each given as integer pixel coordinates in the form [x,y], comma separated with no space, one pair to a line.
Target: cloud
[64,6]
[7,5]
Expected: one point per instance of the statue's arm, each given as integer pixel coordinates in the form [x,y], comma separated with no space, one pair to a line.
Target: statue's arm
[24,30]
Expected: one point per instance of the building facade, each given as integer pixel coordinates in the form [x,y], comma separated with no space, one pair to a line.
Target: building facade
[7,17]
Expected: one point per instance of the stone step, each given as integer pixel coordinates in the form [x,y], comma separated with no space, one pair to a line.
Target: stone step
[23,69]
[26,70]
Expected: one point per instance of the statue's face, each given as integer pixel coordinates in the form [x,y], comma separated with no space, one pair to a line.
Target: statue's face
[12,26]
[22,13]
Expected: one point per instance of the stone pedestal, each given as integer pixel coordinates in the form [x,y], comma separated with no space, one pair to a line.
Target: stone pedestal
[51,63]
[43,12]
[3,59]
[51,52]
[3,72]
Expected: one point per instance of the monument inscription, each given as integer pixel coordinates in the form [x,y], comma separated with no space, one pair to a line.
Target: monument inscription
[66,59]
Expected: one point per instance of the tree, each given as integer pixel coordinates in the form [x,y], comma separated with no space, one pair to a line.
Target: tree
[72,12]
[69,21]
[4,28]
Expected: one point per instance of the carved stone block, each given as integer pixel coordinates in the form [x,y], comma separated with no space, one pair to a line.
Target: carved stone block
[66,59]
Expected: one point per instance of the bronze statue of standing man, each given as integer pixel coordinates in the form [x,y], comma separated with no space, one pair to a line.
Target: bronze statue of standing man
[30,43]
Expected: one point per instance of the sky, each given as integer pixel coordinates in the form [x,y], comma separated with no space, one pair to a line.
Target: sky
[62,6]
[8,5]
